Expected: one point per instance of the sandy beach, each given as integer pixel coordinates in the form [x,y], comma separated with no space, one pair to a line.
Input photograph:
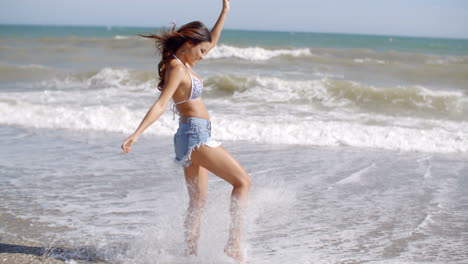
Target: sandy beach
[16,251]
[18,245]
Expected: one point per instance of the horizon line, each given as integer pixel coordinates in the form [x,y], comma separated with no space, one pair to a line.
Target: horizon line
[242,29]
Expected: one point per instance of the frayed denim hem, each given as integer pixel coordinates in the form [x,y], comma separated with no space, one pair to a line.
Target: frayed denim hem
[185,161]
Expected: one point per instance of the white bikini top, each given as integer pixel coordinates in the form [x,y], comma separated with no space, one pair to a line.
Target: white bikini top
[195,91]
[197,85]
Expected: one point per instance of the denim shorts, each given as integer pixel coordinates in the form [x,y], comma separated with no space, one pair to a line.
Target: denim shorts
[192,133]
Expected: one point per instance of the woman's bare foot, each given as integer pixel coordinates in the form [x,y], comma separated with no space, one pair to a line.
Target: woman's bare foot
[191,247]
[234,251]
[190,252]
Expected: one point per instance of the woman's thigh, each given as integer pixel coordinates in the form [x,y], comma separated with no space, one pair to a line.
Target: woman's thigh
[218,161]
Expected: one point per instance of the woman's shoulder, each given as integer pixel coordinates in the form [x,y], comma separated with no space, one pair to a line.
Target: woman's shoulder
[176,70]
[175,66]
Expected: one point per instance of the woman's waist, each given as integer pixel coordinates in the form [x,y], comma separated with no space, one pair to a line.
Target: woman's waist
[195,112]
[193,123]
[193,120]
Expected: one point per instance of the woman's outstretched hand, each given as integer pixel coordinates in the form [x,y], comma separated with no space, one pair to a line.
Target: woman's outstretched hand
[127,144]
[225,5]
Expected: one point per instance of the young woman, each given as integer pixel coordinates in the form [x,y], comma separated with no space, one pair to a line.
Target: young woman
[194,148]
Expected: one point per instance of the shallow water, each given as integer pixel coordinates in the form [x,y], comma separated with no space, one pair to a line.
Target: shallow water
[307,205]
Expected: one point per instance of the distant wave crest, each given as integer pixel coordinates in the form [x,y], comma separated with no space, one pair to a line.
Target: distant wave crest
[254,53]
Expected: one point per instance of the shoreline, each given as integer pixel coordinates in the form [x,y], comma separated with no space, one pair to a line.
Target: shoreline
[18,251]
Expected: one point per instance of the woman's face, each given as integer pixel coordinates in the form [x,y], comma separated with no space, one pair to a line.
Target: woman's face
[197,52]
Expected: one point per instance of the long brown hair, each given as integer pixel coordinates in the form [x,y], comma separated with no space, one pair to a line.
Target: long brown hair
[168,41]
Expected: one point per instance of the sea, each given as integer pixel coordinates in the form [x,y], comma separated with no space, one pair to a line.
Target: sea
[357,146]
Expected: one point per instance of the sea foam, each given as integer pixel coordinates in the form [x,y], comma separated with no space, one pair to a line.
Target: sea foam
[287,130]
[323,112]
[255,53]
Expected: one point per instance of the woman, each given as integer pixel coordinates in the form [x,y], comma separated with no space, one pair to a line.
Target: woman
[195,149]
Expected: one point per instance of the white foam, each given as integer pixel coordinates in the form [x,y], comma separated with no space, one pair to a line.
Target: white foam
[338,93]
[427,173]
[425,222]
[445,60]
[12,68]
[276,130]
[271,89]
[110,100]
[34,66]
[337,133]
[107,77]
[356,177]
[116,119]
[426,165]
[254,53]
[368,60]
[122,37]
[324,91]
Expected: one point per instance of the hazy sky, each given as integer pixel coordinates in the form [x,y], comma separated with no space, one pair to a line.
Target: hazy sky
[442,18]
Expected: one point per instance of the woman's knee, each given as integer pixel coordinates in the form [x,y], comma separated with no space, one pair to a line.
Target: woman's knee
[243,182]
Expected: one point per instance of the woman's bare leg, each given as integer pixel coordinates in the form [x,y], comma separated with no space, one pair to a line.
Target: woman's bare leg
[221,163]
[196,178]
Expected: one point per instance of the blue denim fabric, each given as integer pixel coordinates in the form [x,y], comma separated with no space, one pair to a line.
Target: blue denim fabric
[192,133]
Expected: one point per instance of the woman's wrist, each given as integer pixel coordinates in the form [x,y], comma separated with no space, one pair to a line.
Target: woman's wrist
[136,135]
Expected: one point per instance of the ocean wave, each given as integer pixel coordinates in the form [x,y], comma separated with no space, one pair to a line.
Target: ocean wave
[368,61]
[254,53]
[446,60]
[390,57]
[104,78]
[12,67]
[343,133]
[270,130]
[229,84]
[119,37]
[405,100]
[121,78]
[76,44]
[10,72]
[325,92]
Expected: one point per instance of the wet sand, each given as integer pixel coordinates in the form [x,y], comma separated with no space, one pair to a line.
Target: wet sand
[16,249]
[19,252]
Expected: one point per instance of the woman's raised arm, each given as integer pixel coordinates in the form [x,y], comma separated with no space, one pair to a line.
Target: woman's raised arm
[218,27]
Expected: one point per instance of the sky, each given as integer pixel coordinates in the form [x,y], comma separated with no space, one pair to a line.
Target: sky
[432,18]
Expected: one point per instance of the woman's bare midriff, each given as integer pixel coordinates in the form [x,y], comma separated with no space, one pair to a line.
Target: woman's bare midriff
[193,108]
